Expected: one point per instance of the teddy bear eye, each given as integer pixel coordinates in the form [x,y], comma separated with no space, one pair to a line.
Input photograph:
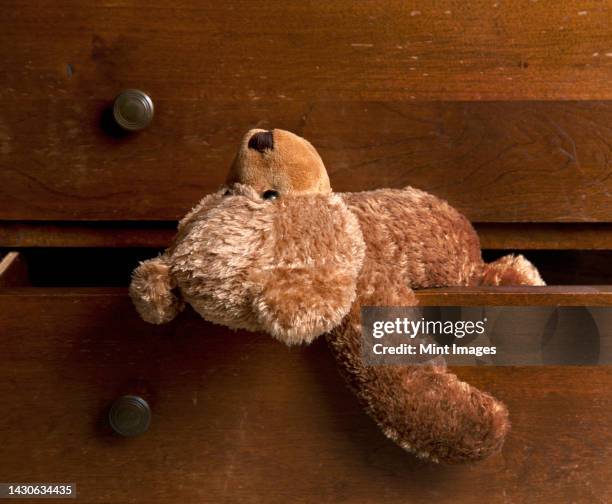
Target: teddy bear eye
[227,192]
[270,194]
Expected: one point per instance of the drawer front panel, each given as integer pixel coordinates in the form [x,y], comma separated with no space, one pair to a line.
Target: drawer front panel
[251,50]
[238,417]
[375,86]
[496,162]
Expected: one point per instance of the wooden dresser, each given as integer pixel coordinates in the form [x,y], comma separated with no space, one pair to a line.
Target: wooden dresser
[502,107]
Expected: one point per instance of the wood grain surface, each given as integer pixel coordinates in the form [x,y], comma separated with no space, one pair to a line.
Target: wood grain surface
[256,50]
[159,234]
[239,418]
[538,236]
[374,85]
[501,107]
[496,162]
[556,295]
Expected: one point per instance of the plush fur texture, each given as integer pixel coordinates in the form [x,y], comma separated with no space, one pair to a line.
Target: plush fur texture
[303,264]
[414,240]
[152,292]
[279,160]
[249,263]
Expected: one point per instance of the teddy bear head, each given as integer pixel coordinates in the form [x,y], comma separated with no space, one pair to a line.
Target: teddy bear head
[287,266]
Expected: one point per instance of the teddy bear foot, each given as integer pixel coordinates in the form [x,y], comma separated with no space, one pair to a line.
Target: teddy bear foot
[438,417]
[511,270]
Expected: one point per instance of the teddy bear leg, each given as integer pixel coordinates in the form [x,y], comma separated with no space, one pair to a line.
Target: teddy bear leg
[438,417]
[425,409]
[511,270]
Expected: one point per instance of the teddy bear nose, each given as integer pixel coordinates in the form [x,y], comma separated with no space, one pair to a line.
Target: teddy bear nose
[261,141]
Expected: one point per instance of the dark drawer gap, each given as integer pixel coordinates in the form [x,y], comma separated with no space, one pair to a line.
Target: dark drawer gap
[566,267]
[112,267]
[82,267]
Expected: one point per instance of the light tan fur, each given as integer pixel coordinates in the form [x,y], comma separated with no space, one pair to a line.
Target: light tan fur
[292,166]
[152,292]
[303,264]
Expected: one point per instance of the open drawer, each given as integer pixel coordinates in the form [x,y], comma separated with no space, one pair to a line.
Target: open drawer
[238,417]
[502,108]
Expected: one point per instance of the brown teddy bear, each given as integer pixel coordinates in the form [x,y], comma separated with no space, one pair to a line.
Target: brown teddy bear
[277,251]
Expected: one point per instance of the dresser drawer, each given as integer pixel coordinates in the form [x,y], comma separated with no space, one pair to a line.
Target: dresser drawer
[535,149]
[502,108]
[496,162]
[238,417]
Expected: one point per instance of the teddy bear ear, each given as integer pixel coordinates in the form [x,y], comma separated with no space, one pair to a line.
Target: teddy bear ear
[306,282]
[152,291]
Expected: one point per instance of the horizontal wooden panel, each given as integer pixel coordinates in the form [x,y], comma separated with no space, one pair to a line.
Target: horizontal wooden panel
[557,295]
[238,416]
[496,162]
[501,236]
[534,236]
[15,234]
[243,51]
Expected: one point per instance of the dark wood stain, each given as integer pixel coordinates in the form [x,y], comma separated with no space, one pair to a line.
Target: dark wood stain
[496,162]
[260,50]
[238,417]
[503,108]
[158,234]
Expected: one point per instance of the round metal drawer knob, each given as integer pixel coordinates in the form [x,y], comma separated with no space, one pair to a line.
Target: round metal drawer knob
[133,110]
[130,416]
